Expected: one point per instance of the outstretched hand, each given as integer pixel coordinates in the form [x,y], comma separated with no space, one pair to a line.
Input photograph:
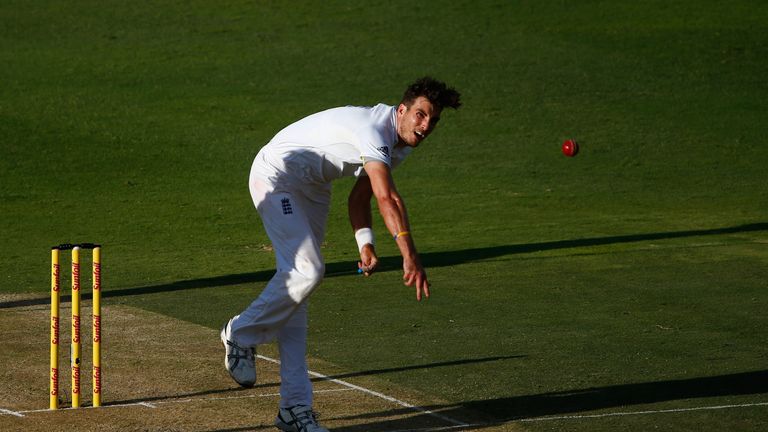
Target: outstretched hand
[414,275]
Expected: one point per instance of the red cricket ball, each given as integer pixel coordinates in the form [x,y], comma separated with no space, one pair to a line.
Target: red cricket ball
[570,148]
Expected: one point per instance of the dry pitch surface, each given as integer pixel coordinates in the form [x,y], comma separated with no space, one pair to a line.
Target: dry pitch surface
[163,374]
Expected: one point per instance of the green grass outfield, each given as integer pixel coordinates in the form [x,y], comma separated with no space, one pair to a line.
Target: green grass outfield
[630,278]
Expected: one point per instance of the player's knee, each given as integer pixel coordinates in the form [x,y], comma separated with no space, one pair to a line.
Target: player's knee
[311,272]
[314,273]
[303,281]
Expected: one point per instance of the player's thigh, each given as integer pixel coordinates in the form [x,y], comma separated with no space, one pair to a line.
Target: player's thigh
[287,221]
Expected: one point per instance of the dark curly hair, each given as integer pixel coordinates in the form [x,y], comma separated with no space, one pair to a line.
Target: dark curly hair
[436,91]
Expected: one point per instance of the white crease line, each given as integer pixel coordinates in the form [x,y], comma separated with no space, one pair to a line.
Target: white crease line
[580,417]
[155,404]
[376,394]
[630,413]
[9,412]
[448,428]
[122,405]
[405,404]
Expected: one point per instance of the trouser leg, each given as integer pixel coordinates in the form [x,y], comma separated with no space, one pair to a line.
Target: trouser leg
[291,224]
[295,385]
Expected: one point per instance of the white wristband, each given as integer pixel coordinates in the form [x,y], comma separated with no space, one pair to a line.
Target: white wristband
[364,236]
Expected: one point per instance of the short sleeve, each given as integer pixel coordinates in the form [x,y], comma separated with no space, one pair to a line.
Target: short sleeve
[375,152]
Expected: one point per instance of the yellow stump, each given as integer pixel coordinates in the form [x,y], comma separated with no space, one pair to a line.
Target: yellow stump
[75,354]
[54,365]
[96,326]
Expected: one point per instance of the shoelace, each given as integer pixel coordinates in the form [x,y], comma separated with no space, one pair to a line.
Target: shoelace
[304,419]
[239,353]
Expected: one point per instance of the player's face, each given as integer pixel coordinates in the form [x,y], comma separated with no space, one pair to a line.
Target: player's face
[416,122]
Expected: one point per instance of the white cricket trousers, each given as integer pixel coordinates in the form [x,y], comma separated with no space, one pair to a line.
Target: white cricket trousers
[295,223]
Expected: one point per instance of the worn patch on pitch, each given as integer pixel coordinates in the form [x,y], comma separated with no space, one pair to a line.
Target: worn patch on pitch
[160,373]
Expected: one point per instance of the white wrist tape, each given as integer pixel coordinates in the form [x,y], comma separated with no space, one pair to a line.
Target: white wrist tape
[364,236]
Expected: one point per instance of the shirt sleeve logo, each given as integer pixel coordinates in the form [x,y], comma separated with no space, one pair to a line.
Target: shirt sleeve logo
[384,151]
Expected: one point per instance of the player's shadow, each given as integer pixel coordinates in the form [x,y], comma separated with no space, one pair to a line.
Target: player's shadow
[416,367]
[439,259]
[430,259]
[493,412]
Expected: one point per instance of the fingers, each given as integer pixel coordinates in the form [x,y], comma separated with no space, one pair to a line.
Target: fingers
[422,288]
[367,269]
[420,282]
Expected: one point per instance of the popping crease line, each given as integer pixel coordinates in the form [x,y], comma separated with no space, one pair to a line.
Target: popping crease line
[579,417]
[162,402]
[350,386]
[630,413]
[430,429]
[9,412]
[376,394]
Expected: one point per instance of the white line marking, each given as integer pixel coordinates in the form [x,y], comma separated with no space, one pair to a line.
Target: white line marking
[588,416]
[448,428]
[9,412]
[119,405]
[630,413]
[349,386]
[162,402]
[39,411]
[376,394]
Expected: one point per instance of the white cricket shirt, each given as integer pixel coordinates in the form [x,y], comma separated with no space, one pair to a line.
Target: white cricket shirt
[329,145]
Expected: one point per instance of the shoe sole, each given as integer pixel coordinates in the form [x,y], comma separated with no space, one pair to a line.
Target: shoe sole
[223,337]
[283,427]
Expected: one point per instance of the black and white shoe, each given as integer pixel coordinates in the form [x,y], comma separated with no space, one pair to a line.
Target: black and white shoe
[299,418]
[240,362]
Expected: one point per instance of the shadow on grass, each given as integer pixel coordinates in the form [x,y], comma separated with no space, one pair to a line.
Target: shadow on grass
[415,367]
[481,414]
[223,393]
[430,259]
[492,412]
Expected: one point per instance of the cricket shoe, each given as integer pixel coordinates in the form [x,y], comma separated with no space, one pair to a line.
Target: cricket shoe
[239,361]
[299,418]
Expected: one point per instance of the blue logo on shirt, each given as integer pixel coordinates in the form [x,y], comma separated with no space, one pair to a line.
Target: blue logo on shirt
[383,150]
[287,209]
